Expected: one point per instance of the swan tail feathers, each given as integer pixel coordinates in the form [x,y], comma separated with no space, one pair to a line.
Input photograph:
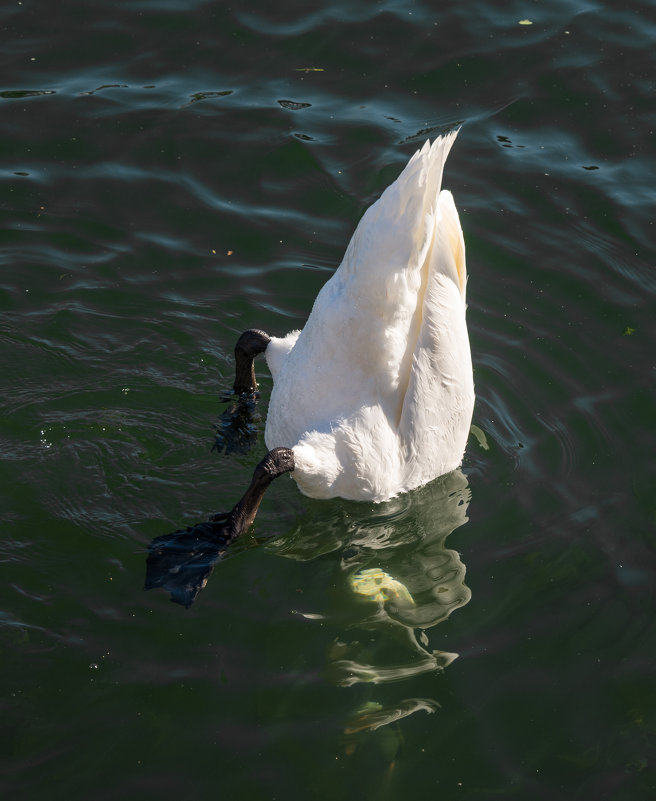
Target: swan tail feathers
[450,247]
[392,236]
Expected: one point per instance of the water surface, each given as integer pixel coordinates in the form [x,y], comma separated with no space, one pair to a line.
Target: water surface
[174,173]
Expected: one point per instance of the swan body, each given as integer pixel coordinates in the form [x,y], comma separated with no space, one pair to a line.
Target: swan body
[375,394]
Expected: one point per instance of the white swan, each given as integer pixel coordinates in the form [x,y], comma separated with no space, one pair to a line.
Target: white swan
[375,395]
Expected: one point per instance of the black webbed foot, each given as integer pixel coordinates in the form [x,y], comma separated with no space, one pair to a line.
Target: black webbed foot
[236,429]
[182,562]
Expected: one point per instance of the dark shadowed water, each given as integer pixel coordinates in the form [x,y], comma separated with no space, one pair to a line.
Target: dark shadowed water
[173,173]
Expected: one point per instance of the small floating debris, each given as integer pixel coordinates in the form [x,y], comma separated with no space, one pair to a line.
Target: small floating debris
[309,69]
[308,615]
[292,105]
[525,22]
[205,95]
[106,86]
[12,94]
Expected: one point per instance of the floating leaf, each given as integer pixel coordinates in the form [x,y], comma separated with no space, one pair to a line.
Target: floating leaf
[480,437]
[628,331]
[525,22]
[309,69]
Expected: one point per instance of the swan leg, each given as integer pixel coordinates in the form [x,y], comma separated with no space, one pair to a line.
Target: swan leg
[249,345]
[182,562]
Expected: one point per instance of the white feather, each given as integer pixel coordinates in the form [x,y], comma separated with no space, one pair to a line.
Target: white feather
[375,395]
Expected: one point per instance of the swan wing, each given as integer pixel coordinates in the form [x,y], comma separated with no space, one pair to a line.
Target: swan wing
[439,400]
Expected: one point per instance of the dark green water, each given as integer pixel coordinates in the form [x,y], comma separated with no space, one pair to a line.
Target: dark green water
[173,173]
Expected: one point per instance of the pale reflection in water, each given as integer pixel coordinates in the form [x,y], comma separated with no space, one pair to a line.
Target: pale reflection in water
[402,580]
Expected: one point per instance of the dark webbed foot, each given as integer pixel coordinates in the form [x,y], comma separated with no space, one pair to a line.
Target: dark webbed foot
[236,430]
[181,562]
[249,345]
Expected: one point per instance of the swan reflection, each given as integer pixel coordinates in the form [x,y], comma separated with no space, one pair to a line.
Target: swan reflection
[403,579]
[373,716]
